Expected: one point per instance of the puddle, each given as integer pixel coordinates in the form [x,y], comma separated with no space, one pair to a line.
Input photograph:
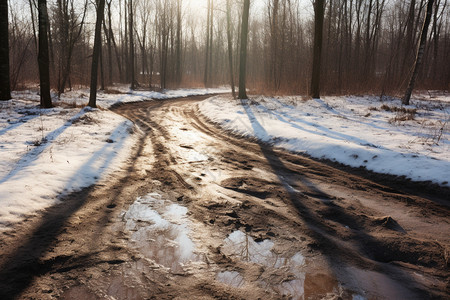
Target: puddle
[240,244]
[233,279]
[290,281]
[160,230]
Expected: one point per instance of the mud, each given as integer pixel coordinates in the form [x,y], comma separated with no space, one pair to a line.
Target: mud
[201,214]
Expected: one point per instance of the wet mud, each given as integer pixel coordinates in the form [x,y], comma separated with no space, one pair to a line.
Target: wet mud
[199,213]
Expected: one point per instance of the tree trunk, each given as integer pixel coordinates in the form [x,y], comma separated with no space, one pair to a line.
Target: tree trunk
[420,51]
[132,72]
[205,77]
[102,71]
[108,42]
[5,84]
[211,35]
[230,48]
[317,50]
[96,53]
[43,57]
[116,51]
[243,52]
[178,46]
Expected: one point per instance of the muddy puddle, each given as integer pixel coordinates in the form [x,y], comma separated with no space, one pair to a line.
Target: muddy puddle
[282,274]
[163,233]
[160,230]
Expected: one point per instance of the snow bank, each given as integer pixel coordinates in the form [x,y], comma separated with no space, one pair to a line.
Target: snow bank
[356,131]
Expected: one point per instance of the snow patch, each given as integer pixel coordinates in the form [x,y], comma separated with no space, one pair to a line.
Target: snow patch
[356,131]
[49,153]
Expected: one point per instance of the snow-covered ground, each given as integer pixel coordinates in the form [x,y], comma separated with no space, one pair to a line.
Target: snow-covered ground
[122,94]
[356,131]
[47,153]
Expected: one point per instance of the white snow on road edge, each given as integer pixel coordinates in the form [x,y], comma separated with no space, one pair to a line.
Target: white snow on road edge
[120,94]
[355,131]
[49,153]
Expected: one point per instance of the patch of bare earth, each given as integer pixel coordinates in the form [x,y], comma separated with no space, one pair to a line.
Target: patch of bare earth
[201,214]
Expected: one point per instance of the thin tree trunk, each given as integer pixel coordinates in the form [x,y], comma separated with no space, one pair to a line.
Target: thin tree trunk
[211,34]
[317,51]
[116,51]
[96,53]
[420,51]
[43,57]
[230,48]
[108,35]
[205,77]
[243,52]
[33,25]
[132,72]
[102,71]
[5,84]
[178,46]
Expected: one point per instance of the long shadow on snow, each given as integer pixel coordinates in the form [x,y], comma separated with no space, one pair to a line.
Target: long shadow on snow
[327,132]
[33,155]
[25,262]
[325,242]
[18,123]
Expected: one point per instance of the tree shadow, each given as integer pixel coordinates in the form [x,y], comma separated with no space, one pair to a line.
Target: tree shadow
[19,122]
[25,261]
[369,249]
[33,155]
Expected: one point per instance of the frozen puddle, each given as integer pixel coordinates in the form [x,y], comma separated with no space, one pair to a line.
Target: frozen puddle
[160,230]
[243,247]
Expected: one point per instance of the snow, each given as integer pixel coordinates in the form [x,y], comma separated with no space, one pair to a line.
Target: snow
[49,153]
[356,131]
[122,94]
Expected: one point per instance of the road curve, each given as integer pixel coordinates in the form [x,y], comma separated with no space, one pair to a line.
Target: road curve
[310,229]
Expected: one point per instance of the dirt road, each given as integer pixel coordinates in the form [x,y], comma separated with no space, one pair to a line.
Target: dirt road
[201,214]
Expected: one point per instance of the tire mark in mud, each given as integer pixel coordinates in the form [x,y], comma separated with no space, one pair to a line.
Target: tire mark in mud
[296,204]
[385,248]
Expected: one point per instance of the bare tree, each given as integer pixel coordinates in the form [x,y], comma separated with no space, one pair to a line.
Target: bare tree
[420,50]
[5,85]
[243,51]
[207,49]
[230,48]
[96,52]
[178,71]
[131,35]
[70,27]
[43,56]
[317,50]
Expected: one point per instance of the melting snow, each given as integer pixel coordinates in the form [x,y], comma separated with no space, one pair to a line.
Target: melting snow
[356,131]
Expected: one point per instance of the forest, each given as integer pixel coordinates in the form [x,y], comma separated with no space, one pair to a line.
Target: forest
[368,46]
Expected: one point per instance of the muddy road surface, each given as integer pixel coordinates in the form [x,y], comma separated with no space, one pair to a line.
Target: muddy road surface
[201,214]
